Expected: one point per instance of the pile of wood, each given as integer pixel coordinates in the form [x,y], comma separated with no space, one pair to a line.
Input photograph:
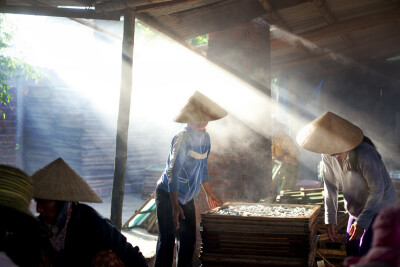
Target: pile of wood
[144,217]
[313,196]
[236,240]
[333,253]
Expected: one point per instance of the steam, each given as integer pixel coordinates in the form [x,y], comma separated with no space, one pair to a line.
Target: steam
[166,74]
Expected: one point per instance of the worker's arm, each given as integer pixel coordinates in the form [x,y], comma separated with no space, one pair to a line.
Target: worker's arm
[177,159]
[212,199]
[176,209]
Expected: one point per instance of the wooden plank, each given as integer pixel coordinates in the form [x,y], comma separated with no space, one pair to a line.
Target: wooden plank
[332,253]
[238,260]
[138,210]
[120,5]
[150,225]
[343,27]
[211,18]
[59,12]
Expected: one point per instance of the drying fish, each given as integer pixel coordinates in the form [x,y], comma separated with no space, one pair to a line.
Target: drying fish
[264,211]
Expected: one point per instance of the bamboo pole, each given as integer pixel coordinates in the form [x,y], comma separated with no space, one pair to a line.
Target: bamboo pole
[123,119]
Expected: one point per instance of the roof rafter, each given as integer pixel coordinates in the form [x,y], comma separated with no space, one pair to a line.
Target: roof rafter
[344,27]
[270,10]
[391,39]
[330,19]
[59,12]
[281,23]
[123,4]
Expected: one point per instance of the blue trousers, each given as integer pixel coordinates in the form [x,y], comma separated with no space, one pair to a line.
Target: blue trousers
[358,248]
[185,235]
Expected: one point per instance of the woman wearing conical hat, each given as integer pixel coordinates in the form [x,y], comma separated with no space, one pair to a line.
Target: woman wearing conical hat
[23,240]
[186,171]
[80,236]
[350,161]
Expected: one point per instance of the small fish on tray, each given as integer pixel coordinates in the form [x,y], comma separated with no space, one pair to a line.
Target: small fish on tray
[264,211]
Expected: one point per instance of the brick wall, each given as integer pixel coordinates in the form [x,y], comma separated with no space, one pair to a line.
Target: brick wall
[240,166]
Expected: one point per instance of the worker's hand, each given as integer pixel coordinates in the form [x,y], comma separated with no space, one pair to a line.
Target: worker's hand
[176,213]
[356,232]
[213,201]
[331,230]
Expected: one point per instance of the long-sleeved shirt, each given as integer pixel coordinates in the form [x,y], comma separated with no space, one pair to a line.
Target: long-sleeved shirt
[186,166]
[366,192]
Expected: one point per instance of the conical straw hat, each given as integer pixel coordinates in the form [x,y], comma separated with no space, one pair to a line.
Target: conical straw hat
[58,181]
[200,108]
[15,189]
[329,134]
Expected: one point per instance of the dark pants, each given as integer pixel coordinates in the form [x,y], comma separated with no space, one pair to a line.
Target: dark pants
[358,248]
[186,234]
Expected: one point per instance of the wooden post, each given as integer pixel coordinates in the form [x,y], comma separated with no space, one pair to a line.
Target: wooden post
[123,120]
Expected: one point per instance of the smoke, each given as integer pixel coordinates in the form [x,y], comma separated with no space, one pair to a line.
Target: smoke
[165,74]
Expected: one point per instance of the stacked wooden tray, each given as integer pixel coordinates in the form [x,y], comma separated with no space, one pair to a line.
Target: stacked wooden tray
[332,252]
[237,240]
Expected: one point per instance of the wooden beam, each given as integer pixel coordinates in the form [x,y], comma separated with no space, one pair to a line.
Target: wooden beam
[281,4]
[277,4]
[111,6]
[345,63]
[391,39]
[81,21]
[121,149]
[97,28]
[351,25]
[366,65]
[325,12]
[122,4]
[282,24]
[280,21]
[212,18]
[174,36]
[146,8]
[330,19]
[343,27]
[59,12]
